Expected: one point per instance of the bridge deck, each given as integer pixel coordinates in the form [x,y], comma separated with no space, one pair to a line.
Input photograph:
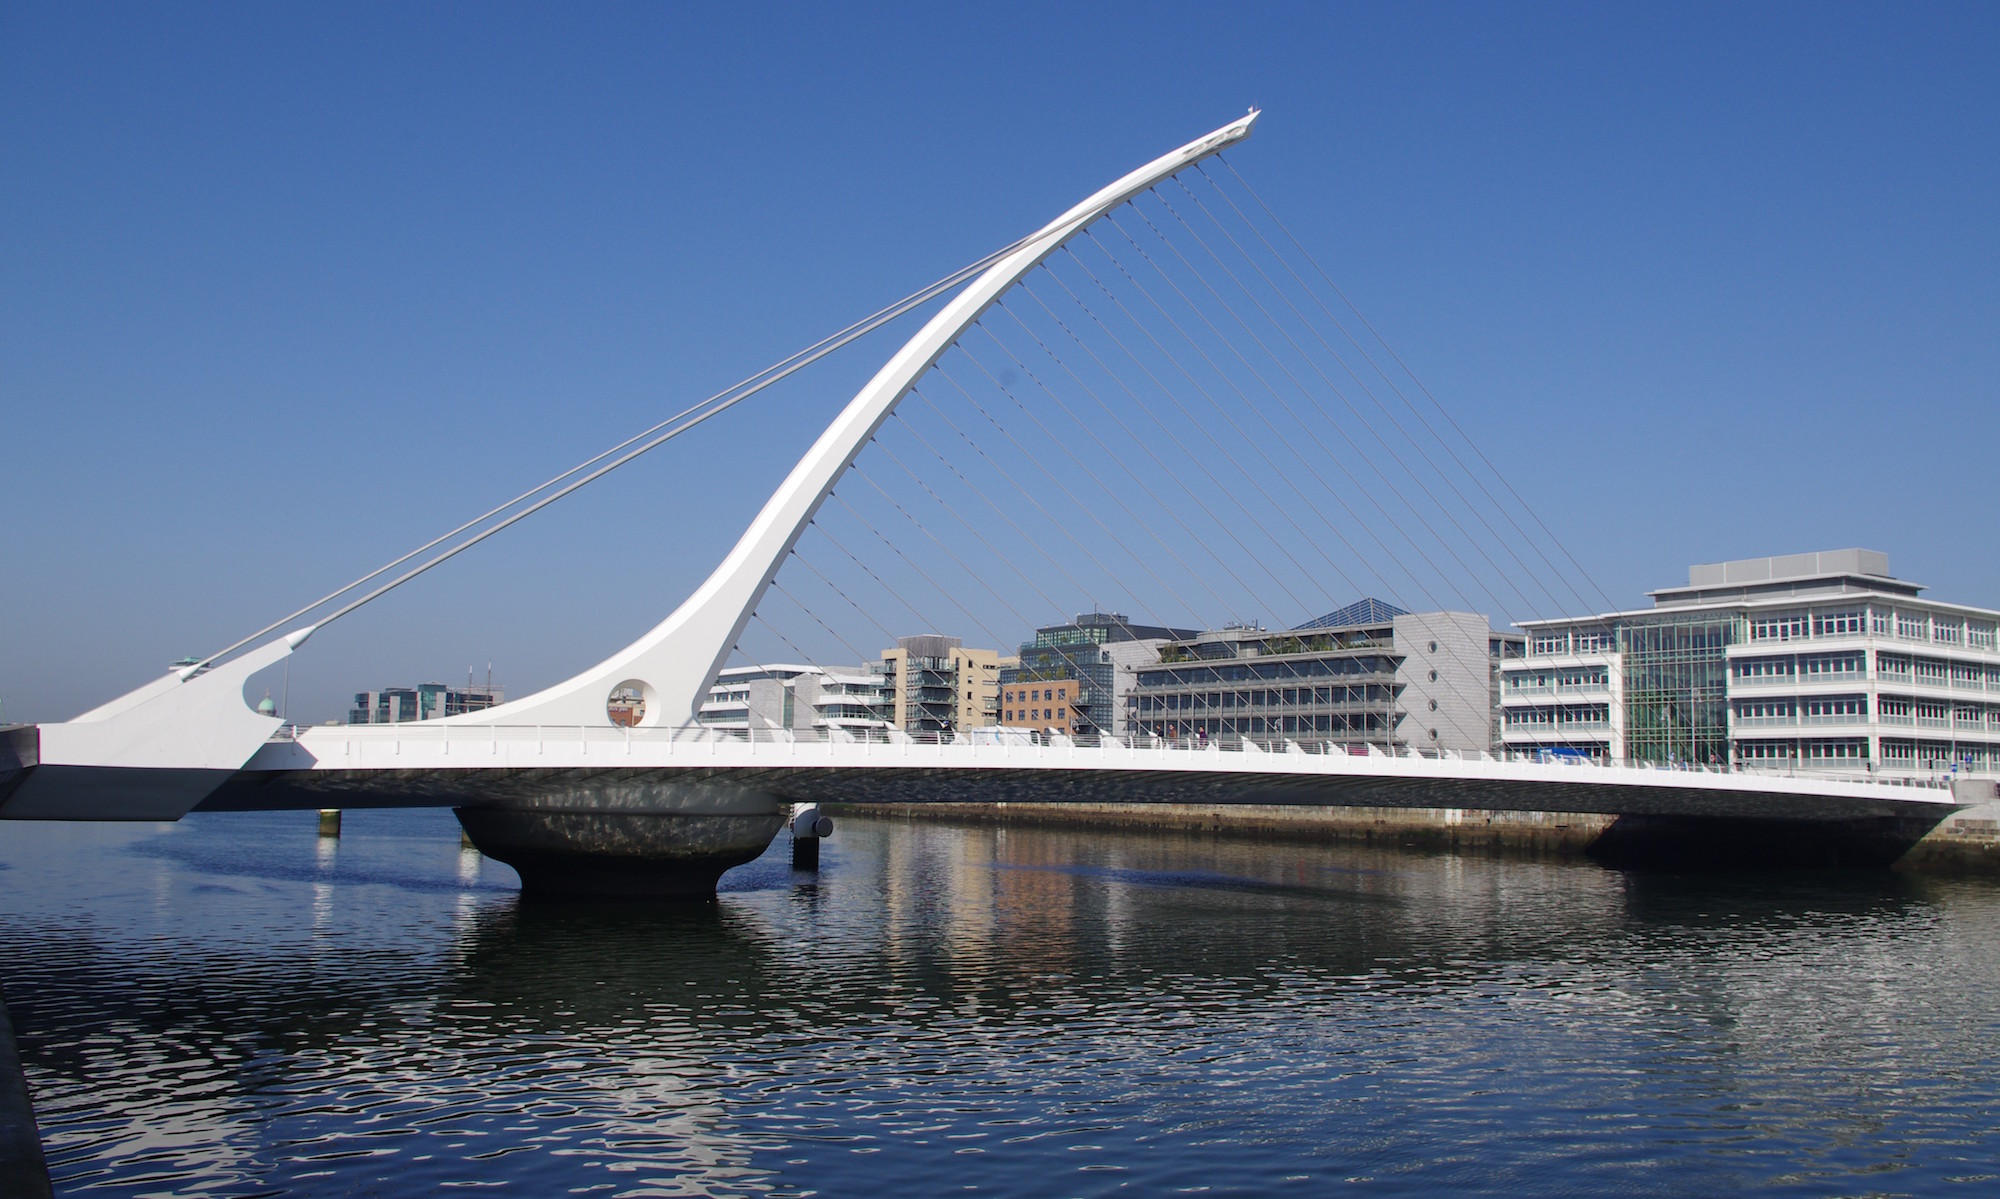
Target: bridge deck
[443,765]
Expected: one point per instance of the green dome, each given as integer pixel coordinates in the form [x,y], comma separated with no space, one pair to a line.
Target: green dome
[265,707]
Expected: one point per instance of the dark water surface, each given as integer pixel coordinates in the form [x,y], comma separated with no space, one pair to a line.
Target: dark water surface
[231,1006]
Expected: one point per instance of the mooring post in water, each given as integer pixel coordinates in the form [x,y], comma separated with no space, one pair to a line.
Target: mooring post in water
[329,822]
[809,827]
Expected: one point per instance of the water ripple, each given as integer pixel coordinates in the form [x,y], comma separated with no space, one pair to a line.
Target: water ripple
[231,1006]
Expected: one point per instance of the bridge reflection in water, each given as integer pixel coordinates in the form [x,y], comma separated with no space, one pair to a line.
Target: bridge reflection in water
[219,1007]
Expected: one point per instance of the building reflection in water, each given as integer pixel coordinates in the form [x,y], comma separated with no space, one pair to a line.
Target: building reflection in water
[217,1005]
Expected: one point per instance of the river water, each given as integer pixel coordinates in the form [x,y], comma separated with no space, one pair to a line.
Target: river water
[234,1006]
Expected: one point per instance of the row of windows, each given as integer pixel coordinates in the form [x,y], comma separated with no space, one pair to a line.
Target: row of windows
[1893,752]
[1359,724]
[1543,717]
[1888,707]
[1034,695]
[1820,749]
[1797,626]
[1818,667]
[1573,641]
[1911,626]
[1812,666]
[1036,714]
[1244,672]
[1568,676]
[1373,693]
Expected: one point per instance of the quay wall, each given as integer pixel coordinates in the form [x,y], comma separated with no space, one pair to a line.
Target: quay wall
[1545,834]
[1965,842]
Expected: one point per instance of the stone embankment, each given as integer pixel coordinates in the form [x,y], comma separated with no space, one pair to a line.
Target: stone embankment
[1966,841]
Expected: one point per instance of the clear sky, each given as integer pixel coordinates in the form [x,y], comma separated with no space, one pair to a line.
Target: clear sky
[286,290]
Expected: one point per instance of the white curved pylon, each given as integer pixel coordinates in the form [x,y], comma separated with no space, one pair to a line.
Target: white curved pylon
[677,662]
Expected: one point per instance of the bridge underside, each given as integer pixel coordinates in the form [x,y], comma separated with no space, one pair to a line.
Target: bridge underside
[628,831]
[697,789]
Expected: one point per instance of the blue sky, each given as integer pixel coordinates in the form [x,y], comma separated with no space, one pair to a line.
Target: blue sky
[285,291]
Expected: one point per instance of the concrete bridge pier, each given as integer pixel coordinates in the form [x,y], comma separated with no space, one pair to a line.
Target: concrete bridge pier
[630,839]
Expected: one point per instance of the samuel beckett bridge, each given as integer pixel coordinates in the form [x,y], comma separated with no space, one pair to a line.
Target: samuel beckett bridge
[1156,403]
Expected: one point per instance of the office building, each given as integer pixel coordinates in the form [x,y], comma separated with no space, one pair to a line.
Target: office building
[1824,661]
[425,701]
[1074,677]
[1369,674]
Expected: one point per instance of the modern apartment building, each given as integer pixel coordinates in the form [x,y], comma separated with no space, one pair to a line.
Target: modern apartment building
[850,699]
[1820,660]
[795,698]
[1075,676]
[1369,674]
[781,696]
[931,682]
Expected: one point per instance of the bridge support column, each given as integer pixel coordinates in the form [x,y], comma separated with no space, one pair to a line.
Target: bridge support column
[665,855]
[624,837]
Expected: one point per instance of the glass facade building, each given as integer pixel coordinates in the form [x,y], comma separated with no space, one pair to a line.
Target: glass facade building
[1082,669]
[1822,661]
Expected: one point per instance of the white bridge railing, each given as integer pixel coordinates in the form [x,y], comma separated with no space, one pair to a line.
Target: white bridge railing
[615,737]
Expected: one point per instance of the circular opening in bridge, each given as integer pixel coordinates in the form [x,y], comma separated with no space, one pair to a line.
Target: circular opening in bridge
[627,703]
[1434,705]
[1434,676]
[1434,734]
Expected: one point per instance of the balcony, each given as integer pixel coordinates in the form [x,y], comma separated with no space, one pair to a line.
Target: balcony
[1765,680]
[1766,722]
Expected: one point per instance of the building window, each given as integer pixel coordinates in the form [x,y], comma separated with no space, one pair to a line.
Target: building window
[1765,711]
[1764,751]
[1823,666]
[1910,627]
[1836,624]
[1836,707]
[1777,628]
[1842,749]
[1764,668]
